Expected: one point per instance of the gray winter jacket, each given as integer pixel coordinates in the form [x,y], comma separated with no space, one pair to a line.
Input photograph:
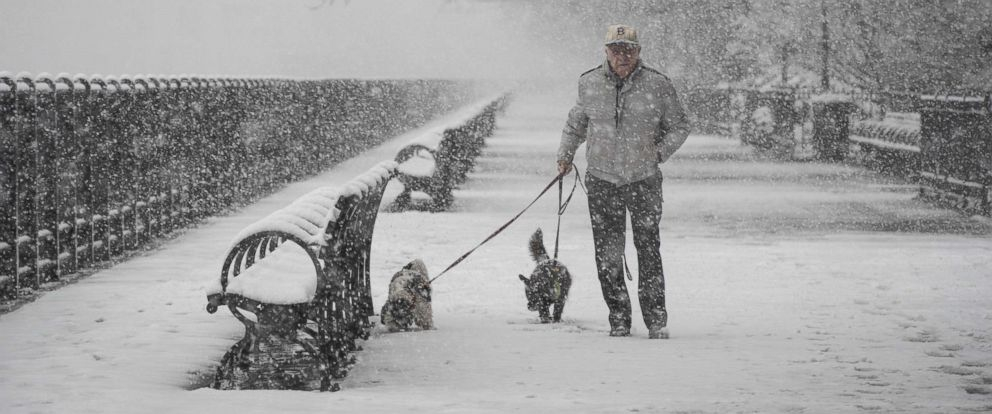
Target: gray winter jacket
[630,125]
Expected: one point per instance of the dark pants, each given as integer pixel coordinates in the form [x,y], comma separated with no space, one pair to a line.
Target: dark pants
[608,206]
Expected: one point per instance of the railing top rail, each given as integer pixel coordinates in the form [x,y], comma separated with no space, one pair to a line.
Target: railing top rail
[64,82]
[25,79]
[116,85]
[25,82]
[43,83]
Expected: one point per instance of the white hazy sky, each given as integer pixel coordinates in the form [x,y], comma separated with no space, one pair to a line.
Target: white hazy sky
[288,38]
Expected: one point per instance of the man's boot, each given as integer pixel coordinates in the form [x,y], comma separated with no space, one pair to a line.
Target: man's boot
[619,325]
[659,329]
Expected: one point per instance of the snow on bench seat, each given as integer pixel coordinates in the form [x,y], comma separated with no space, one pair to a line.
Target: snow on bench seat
[285,277]
[306,219]
[420,165]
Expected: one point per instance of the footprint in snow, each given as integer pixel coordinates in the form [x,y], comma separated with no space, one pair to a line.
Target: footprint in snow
[958,370]
[936,353]
[977,389]
[924,335]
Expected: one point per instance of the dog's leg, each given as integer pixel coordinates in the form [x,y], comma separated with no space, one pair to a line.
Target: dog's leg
[559,307]
[424,316]
[388,322]
[382,313]
[388,318]
[544,312]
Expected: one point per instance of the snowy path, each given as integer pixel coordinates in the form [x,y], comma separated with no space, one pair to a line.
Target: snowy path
[791,289]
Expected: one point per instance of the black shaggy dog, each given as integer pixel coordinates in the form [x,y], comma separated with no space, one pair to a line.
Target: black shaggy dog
[548,284]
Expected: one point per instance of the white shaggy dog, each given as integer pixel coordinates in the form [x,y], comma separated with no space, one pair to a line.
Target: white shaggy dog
[409,301]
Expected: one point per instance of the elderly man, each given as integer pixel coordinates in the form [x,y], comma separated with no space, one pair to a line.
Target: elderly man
[631,118]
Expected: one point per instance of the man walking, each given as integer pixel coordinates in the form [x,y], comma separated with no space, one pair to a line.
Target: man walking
[631,118]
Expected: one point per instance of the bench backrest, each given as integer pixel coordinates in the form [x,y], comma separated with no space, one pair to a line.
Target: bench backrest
[462,140]
[347,253]
[321,222]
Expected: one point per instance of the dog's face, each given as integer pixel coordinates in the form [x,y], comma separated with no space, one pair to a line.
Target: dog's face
[420,288]
[540,288]
[417,282]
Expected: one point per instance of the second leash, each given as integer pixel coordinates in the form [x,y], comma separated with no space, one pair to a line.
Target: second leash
[563,206]
[557,179]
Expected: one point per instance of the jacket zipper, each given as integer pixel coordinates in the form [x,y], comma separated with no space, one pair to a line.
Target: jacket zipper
[616,107]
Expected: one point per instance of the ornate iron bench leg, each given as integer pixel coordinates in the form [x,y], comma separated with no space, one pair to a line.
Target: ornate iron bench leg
[440,191]
[236,358]
[334,361]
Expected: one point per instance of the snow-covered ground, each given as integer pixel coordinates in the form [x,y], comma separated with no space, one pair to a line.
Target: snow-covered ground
[792,287]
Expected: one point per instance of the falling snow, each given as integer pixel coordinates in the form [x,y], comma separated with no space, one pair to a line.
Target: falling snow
[796,281]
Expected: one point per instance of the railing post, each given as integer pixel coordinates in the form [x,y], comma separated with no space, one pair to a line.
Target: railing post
[171,200]
[66,172]
[74,145]
[127,143]
[100,164]
[46,135]
[8,186]
[83,134]
[143,151]
[25,165]
[198,150]
[116,142]
[191,196]
[150,161]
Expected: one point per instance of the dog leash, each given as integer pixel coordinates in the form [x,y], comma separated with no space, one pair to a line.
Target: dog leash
[561,210]
[563,206]
[504,226]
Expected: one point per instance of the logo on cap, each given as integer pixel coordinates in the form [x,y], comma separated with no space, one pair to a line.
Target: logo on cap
[620,33]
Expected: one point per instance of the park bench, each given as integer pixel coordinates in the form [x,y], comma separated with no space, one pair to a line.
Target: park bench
[438,160]
[891,144]
[887,135]
[303,273]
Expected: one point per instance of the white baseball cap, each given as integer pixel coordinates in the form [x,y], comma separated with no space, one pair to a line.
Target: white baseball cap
[621,34]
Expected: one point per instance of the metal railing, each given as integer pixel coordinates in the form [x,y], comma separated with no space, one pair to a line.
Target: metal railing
[947,145]
[956,150]
[92,167]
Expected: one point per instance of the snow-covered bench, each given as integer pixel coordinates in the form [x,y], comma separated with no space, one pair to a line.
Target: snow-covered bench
[303,272]
[892,134]
[891,144]
[438,160]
